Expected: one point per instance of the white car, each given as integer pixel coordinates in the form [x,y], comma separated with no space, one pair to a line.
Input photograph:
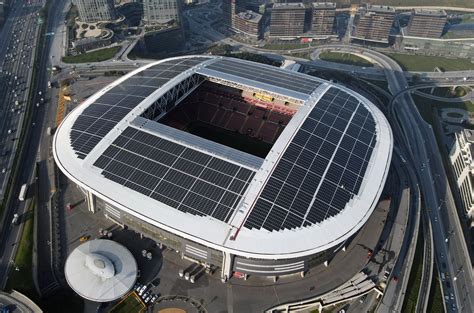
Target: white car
[147,299]
[142,290]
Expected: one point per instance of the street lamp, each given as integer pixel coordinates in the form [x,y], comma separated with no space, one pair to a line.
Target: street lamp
[460,270]
[449,234]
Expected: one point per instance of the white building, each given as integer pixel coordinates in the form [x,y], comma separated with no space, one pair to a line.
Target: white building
[463,166]
[323,157]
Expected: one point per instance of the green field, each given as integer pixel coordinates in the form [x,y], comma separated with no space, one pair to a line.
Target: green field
[447,92]
[413,287]
[286,46]
[435,302]
[456,3]
[421,63]
[131,304]
[231,139]
[95,56]
[21,277]
[344,58]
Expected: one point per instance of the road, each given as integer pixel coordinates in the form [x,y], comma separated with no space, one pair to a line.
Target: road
[28,161]
[19,37]
[424,151]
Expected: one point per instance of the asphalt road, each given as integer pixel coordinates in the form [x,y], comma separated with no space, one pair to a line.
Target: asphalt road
[28,161]
[19,38]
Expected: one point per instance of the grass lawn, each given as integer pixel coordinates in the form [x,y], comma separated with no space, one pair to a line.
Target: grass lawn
[130,304]
[424,106]
[413,287]
[458,34]
[435,301]
[22,280]
[419,63]
[286,46]
[344,58]
[95,56]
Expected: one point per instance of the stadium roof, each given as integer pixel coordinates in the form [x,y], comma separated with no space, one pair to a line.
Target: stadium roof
[316,187]
[101,270]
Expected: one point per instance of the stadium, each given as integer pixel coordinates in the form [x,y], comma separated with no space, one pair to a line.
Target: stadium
[238,165]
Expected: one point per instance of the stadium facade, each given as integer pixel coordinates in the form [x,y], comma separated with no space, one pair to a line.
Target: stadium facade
[244,166]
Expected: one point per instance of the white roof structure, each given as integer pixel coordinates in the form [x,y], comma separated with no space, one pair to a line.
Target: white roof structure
[101,270]
[317,186]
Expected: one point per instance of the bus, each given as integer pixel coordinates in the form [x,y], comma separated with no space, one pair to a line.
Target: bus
[23,191]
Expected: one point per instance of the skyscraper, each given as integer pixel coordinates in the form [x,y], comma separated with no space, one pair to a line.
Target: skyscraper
[322,20]
[92,11]
[230,8]
[161,11]
[373,23]
[287,20]
[427,23]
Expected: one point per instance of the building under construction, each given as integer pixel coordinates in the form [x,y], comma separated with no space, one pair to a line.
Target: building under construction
[426,23]
[287,20]
[322,21]
[373,23]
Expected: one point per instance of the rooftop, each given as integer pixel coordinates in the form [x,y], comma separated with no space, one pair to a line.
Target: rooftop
[324,5]
[291,5]
[250,16]
[427,12]
[101,270]
[379,9]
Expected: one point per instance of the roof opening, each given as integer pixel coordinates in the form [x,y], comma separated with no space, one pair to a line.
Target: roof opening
[245,120]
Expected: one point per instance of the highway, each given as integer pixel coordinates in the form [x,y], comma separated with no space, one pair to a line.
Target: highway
[10,235]
[19,38]
[419,138]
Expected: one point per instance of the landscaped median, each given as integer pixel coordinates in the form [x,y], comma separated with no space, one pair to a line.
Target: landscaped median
[424,63]
[94,56]
[344,58]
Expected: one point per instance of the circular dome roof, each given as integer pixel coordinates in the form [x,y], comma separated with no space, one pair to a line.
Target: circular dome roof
[101,270]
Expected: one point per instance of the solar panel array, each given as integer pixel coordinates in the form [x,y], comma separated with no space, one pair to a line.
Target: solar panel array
[321,169]
[267,74]
[183,178]
[100,117]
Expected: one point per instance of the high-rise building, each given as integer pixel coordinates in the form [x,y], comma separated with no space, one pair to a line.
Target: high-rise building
[287,20]
[427,23]
[462,162]
[373,23]
[92,11]
[230,8]
[322,20]
[161,11]
[249,23]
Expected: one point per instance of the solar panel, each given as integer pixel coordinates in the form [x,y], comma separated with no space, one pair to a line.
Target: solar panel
[265,74]
[322,168]
[100,117]
[183,178]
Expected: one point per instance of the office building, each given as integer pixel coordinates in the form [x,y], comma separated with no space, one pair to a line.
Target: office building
[230,8]
[323,16]
[426,23]
[161,11]
[249,23]
[462,162]
[373,23]
[92,11]
[287,20]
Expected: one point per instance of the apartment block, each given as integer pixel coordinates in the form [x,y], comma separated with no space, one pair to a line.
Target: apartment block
[427,23]
[373,23]
[287,20]
[323,15]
